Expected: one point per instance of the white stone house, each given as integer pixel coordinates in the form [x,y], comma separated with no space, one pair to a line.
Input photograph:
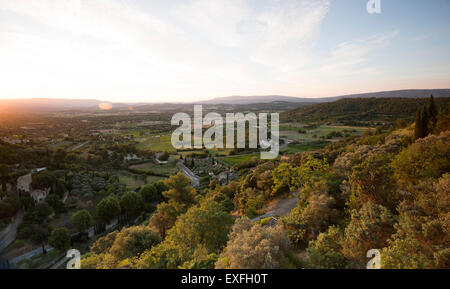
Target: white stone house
[39,195]
[24,183]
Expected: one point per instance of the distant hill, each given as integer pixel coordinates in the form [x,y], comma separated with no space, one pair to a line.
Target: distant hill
[257,99]
[352,111]
[44,104]
[53,105]
[410,93]
[270,102]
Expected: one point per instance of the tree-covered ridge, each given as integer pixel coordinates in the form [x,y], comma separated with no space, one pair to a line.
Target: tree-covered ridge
[356,110]
[387,190]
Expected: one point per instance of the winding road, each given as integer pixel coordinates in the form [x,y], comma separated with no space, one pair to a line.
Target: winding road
[9,234]
[282,208]
[194,178]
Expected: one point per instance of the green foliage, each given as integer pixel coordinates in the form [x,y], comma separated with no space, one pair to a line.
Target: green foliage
[180,190]
[164,156]
[289,178]
[325,251]
[34,226]
[82,220]
[133,241]
[249,201]
[422,237]
[43,210]
[180,196]
[285,179]
[353,111]
[149,194]
[203,228]
[426,119]
[55,202]
[373,181]
[313,214]
[118,249]
[43,180]
[130,203]
[443,120]
[103,244]
[400,123]
[421,124]
[108,208]
[426,158]
[432,112]
[9,206]
[60,239]
[165,216]
[4,172]
[255,247]
[403,254]
[369,228]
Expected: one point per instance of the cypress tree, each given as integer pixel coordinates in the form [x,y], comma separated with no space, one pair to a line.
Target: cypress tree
[425,120]
[432,112]
[419,131]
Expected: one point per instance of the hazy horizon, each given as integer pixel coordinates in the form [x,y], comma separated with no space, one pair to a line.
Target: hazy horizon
[186,51]
[229,99]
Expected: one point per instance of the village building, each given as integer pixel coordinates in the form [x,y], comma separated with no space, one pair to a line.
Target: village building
[24,183]
[39,196]
[24,186]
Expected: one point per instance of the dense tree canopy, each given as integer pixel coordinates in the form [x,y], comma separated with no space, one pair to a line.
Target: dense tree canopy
[204,228]
[60,239]
[108,208]
[82,220]
[255,247]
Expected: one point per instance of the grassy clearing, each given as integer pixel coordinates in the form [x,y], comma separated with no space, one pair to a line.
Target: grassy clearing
[301,148]
[165,169]
[232,160]
[156,143]
[133,182]
[313,134]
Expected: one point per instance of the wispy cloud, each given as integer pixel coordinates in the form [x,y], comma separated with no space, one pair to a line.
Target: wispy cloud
[350,58]
[423,37]
[120,48]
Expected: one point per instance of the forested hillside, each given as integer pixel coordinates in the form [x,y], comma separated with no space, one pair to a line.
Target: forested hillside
[360,110]
[387,190]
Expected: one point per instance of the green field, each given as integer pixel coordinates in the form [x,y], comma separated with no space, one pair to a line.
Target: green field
[301,148]
[135,181]
[291,132]
[156,143]
[232,160]
[165,169]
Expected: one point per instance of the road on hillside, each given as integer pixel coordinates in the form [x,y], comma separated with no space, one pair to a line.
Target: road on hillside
[31,254]
[194,178]
[10,235]
[282,208]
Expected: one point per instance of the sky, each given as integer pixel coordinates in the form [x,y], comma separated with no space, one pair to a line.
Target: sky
[190,50]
